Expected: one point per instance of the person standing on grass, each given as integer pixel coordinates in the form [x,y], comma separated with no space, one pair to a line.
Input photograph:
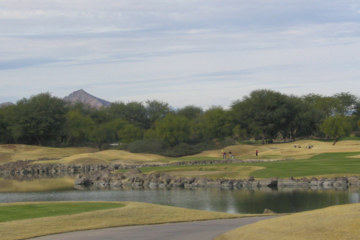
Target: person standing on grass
[224,154]
[257,152]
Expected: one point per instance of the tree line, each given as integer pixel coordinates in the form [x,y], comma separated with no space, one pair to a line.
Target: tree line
[154,126]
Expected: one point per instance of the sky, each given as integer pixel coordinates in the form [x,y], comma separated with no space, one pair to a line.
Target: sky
[183,52]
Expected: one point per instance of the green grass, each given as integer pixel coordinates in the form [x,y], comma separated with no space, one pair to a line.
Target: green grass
[38,210]
[321,164]
[190,158]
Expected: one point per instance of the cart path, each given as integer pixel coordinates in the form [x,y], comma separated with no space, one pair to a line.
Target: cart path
[201,230]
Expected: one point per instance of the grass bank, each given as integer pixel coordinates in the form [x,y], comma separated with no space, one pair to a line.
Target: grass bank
[132,213]
[36,185]
[333,223]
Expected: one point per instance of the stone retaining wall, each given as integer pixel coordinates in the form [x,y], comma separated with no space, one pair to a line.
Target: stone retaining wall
[134,179]
[26,169]
[101,176]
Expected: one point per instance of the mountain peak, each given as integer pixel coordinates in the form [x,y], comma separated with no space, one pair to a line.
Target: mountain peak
[81,96]
[6,104]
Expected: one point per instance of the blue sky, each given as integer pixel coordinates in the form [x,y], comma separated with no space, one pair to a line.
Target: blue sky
[199,52]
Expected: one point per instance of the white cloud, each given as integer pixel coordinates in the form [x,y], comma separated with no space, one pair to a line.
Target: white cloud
[182,52]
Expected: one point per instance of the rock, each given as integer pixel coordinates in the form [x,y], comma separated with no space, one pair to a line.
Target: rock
[268,211]
[354,181]
[153,185]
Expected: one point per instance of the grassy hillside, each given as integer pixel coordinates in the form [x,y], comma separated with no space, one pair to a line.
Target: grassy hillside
[106,156]
[15,152]
[333,223]
[282,151]
[79,155]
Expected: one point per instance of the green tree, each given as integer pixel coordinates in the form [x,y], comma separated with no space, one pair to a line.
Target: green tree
[216,123]
[301,119]
[173,129]
[5,134]
[130,133]
[78,127]
[190,112]
[38,120]
[108,132]
[325,105]
[336,127]
[156,110]
[133,112]
[346,104]
[264,113]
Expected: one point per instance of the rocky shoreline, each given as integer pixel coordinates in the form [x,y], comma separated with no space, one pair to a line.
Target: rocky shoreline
[135,179]
[103,177]
[27,169]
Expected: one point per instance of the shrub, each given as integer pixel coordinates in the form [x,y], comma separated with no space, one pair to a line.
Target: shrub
[147,146]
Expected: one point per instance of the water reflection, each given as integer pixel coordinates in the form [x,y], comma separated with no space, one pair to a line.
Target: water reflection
[231,201]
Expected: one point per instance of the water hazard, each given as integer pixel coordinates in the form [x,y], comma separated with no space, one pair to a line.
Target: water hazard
[212,199]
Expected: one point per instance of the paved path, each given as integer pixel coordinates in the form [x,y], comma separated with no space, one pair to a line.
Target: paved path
[203,230]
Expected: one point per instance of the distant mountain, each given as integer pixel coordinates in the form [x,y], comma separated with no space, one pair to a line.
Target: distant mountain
[81,96]
[5,104]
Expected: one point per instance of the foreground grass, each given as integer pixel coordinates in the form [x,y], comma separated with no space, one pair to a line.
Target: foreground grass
[38,210]
[36,185]
[131,214]
[333,223]
[325,164]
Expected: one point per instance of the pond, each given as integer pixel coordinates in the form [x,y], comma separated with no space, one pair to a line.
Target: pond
[212,199]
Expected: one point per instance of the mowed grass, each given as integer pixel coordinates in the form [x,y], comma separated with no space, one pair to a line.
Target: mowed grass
[333,223]
[132,213]
[320,165]
[38,210]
